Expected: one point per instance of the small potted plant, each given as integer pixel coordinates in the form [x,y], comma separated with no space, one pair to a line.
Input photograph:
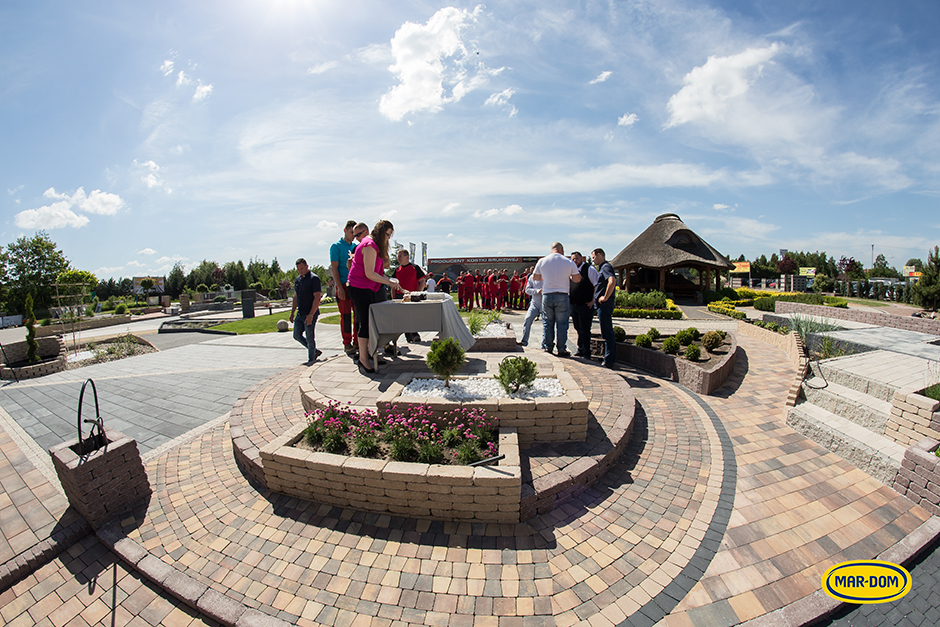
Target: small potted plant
[445,358]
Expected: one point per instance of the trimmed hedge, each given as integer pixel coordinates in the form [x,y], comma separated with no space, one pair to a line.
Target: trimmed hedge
[718,307]
[655,314]
[768,303]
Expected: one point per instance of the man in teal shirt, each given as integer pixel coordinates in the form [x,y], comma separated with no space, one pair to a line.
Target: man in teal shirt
[339,256]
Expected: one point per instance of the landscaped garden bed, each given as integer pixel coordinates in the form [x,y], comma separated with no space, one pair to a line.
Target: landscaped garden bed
[702,363]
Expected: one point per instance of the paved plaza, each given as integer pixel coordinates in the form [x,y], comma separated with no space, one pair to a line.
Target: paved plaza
[717,513]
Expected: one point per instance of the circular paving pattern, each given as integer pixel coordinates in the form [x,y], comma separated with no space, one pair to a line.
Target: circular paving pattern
[628,547]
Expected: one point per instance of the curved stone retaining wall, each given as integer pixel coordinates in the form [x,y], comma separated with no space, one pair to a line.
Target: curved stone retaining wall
[48,347]
[456,493]
[878,318]
[88,323]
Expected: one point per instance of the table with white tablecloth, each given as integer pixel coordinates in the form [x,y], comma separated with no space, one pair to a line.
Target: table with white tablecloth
[389,319]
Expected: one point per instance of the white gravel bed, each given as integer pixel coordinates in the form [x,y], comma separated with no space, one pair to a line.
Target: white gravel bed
[79,356]
[479,388]
[493,329]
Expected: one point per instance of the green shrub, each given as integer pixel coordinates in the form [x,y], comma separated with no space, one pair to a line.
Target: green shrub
[402,450]
[45,322]
[430,452]
[723,308]
[32,346]
[445,358]
[711,340]
[365,445]
[643,341]
[516,373]
[711,296]
[120,310]
[671,345]
[653,333]
[652,314]
[219,299]
[640,300]
[685,337]
[202,288]
[693,352]
[493,316]
[620,335]
[476,321]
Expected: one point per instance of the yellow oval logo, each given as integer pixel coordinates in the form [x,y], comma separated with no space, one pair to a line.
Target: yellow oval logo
[866,581]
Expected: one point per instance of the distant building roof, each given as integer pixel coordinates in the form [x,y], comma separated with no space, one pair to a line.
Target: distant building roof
[669,243]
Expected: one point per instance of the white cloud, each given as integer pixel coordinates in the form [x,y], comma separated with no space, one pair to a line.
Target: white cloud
[134,264]
[510,210]
[167,259]
[709,88]
[182,79]
[723,207]
[147,251]
[374,53]
[501,99]
[320,68]
[627,119]
[151,178]
[60,213]
[202,92]
[167,67]
[603,76]
[104,270]
[55,216]
[327,225]
[450,207]
[420,52]
[15,189]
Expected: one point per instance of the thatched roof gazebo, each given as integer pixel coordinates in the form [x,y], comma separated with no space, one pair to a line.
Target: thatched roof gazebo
[666,245]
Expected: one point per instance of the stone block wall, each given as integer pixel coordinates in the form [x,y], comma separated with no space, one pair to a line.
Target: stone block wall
[90,323]
[557,419]
[48,347]
[919,476]
[921,325]
[105,483]
[913,417]
[504,344]
[441,492]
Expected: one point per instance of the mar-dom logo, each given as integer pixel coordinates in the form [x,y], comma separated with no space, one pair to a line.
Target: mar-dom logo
[866,581]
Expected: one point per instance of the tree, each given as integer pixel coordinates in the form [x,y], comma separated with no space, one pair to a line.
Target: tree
[32,265]
[175,281]
[927,290]
[850,268]
[72,287]
[147,285]
[126,287]
[218,277]
[917,263]
[786,265]
[32,346]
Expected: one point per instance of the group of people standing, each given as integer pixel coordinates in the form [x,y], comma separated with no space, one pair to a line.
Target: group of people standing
[558,288]
[493,289]
[565,288]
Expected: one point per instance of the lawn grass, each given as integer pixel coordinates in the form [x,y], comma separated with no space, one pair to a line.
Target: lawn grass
[267,323]
[869,303]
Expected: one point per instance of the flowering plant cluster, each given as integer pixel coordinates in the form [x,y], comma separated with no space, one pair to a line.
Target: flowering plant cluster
[462,436]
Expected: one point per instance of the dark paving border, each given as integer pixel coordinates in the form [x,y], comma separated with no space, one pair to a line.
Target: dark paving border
[663,603]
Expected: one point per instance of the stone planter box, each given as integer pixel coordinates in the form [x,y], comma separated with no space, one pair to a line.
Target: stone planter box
[48,347]
[504,344]
[454,493]
[919,476]
[558,419]
[104,483]
[696,378]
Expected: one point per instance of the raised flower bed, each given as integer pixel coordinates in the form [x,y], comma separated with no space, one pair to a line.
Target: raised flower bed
[52,359]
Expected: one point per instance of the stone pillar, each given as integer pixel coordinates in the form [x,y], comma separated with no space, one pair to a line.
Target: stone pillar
[184,303]
[105,482]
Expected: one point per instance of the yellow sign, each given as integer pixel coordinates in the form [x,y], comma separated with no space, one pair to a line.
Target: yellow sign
[917,274]
[866,581]
[807,271]
[742,266]
[909,270]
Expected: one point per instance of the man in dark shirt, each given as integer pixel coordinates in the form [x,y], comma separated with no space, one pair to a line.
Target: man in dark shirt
[445,284]
[307,294]
[604,303]
[411,279]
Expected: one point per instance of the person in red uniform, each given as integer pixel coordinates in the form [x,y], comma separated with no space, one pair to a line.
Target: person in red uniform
[478,289]
[411,278]
[514,290]
[502,295]
[468,290]
[490,289]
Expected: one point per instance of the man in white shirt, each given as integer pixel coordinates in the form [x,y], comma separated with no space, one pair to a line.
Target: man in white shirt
[431,284]
[555,271]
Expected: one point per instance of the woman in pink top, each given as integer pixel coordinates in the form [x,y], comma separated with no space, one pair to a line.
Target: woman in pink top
[365,282]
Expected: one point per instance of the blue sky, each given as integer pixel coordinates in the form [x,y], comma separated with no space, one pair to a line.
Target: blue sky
[139,134]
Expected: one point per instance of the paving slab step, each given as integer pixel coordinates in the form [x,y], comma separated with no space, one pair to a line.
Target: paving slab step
[877,455]
[842,372]
[858,407]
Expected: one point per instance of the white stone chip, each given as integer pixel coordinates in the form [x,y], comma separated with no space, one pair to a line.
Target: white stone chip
[478,388]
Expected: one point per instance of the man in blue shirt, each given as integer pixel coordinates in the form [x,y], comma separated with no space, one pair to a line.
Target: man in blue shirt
[339,256]
[307,294]
[604,303]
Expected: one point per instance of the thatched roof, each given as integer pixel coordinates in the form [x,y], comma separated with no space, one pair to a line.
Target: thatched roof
[669,243]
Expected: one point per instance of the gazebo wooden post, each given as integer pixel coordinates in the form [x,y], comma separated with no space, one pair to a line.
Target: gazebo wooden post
[708,275]
[662,280]
[717,280]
